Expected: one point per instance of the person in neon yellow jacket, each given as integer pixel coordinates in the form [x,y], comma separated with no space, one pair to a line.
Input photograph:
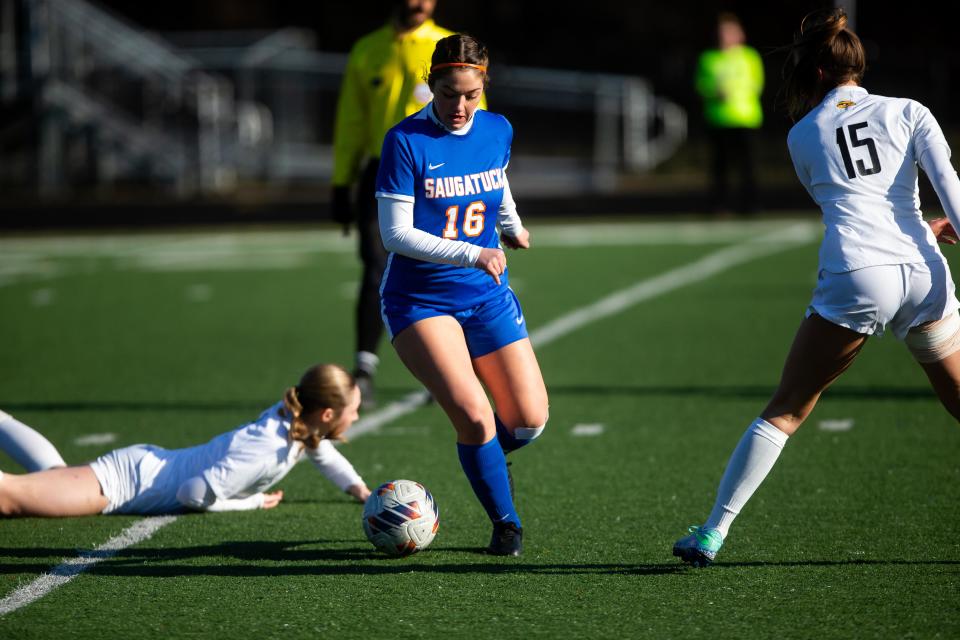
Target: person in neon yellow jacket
[730,81]
[384,82]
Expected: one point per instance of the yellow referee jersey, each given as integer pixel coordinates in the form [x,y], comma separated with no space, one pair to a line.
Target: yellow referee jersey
[385,82]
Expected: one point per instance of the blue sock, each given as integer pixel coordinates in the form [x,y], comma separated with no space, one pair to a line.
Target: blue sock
[486,468]
[507,440]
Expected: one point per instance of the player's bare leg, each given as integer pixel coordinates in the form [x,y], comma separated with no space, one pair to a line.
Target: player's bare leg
[435,351]
[66,491]
[944,375]
[512,376]
[821,351]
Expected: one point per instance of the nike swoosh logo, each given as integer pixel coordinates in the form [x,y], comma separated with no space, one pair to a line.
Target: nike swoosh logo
[431,167]
[520,320]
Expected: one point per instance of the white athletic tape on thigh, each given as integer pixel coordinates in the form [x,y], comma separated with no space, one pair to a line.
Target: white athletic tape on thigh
[935,341]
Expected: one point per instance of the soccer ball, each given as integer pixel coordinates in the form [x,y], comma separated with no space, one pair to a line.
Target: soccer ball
[400,517]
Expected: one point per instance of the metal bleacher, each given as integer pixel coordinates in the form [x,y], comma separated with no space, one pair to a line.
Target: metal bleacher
[200,114]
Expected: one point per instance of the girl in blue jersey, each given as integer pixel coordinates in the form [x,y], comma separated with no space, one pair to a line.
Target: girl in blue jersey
[857,154]
[443,195]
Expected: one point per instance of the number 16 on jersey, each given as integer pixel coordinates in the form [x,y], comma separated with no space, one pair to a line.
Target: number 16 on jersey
[473,220]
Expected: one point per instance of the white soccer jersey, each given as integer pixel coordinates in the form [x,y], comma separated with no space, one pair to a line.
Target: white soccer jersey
[236,464]
[857,155]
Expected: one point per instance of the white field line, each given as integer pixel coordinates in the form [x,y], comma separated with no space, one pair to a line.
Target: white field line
[42,258]
[702,269]
[591,429]
[710,265]
[92,439]
[837,425]
[71,568]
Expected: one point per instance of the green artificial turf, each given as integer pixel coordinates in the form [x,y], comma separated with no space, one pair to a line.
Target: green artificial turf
[854,534]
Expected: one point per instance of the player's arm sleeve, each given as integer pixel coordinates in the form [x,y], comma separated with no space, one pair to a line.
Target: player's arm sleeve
[195,494]
[334,465]
[349,132]
[933,156]
[802,173]
[400,236]
[507,218]
[935,162]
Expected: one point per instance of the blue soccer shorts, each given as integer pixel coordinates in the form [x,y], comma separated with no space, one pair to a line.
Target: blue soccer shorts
[488,326]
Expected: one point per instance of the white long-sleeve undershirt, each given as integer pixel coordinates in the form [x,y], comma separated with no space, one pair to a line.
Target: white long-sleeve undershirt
[935,162]
[334,466]
[400,236]
[197,495]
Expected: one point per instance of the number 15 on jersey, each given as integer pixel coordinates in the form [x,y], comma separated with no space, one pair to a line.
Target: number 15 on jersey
[856,141]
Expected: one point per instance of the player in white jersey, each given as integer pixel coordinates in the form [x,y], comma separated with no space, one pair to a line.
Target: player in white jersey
[857,155]
[232,472]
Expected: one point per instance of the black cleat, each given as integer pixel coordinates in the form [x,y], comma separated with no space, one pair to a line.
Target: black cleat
[507,540]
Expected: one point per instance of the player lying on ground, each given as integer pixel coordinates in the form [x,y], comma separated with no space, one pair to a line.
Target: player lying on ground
[857,154]
[456,324]
[229,473]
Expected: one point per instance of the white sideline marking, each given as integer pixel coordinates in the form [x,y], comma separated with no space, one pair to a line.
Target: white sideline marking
[199,292]
[407,404]
[593,429]
[836,425]
[710,265]
[72,567]
[45,258]
[42,297]
[702,269]
[349,290]
[95,438]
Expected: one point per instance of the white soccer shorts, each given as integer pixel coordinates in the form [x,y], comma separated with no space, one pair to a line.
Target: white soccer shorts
[898,296]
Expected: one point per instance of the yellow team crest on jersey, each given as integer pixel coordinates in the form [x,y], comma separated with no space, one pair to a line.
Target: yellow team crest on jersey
[845,104]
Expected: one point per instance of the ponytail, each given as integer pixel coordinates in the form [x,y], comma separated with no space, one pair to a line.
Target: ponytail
[824,54]
[324,386]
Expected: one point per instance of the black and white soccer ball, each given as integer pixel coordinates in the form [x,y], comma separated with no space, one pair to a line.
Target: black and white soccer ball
[401,517]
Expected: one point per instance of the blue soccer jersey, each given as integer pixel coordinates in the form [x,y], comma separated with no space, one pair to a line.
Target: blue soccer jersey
[456,185]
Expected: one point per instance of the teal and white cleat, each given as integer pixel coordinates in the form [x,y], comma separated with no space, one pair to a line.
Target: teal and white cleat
[700,547]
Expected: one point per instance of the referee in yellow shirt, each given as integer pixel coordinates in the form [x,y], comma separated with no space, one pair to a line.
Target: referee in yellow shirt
[385,81]
[730,81]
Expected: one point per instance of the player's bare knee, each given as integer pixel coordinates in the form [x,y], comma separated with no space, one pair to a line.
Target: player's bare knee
[934,341]
[531,429]
[474,410]
[536,420]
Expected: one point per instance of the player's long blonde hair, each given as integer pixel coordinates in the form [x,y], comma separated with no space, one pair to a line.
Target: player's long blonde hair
[323,386]
[824,54]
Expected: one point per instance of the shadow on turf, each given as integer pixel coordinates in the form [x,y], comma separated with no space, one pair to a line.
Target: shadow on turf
[745,392]
[351,561]
[354,561]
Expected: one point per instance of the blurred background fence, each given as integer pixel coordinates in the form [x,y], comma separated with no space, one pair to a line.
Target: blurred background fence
[94,103]
[222,103]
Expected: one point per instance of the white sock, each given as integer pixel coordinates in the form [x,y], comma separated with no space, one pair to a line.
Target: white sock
[367,362]
[30,449]
[750,463]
